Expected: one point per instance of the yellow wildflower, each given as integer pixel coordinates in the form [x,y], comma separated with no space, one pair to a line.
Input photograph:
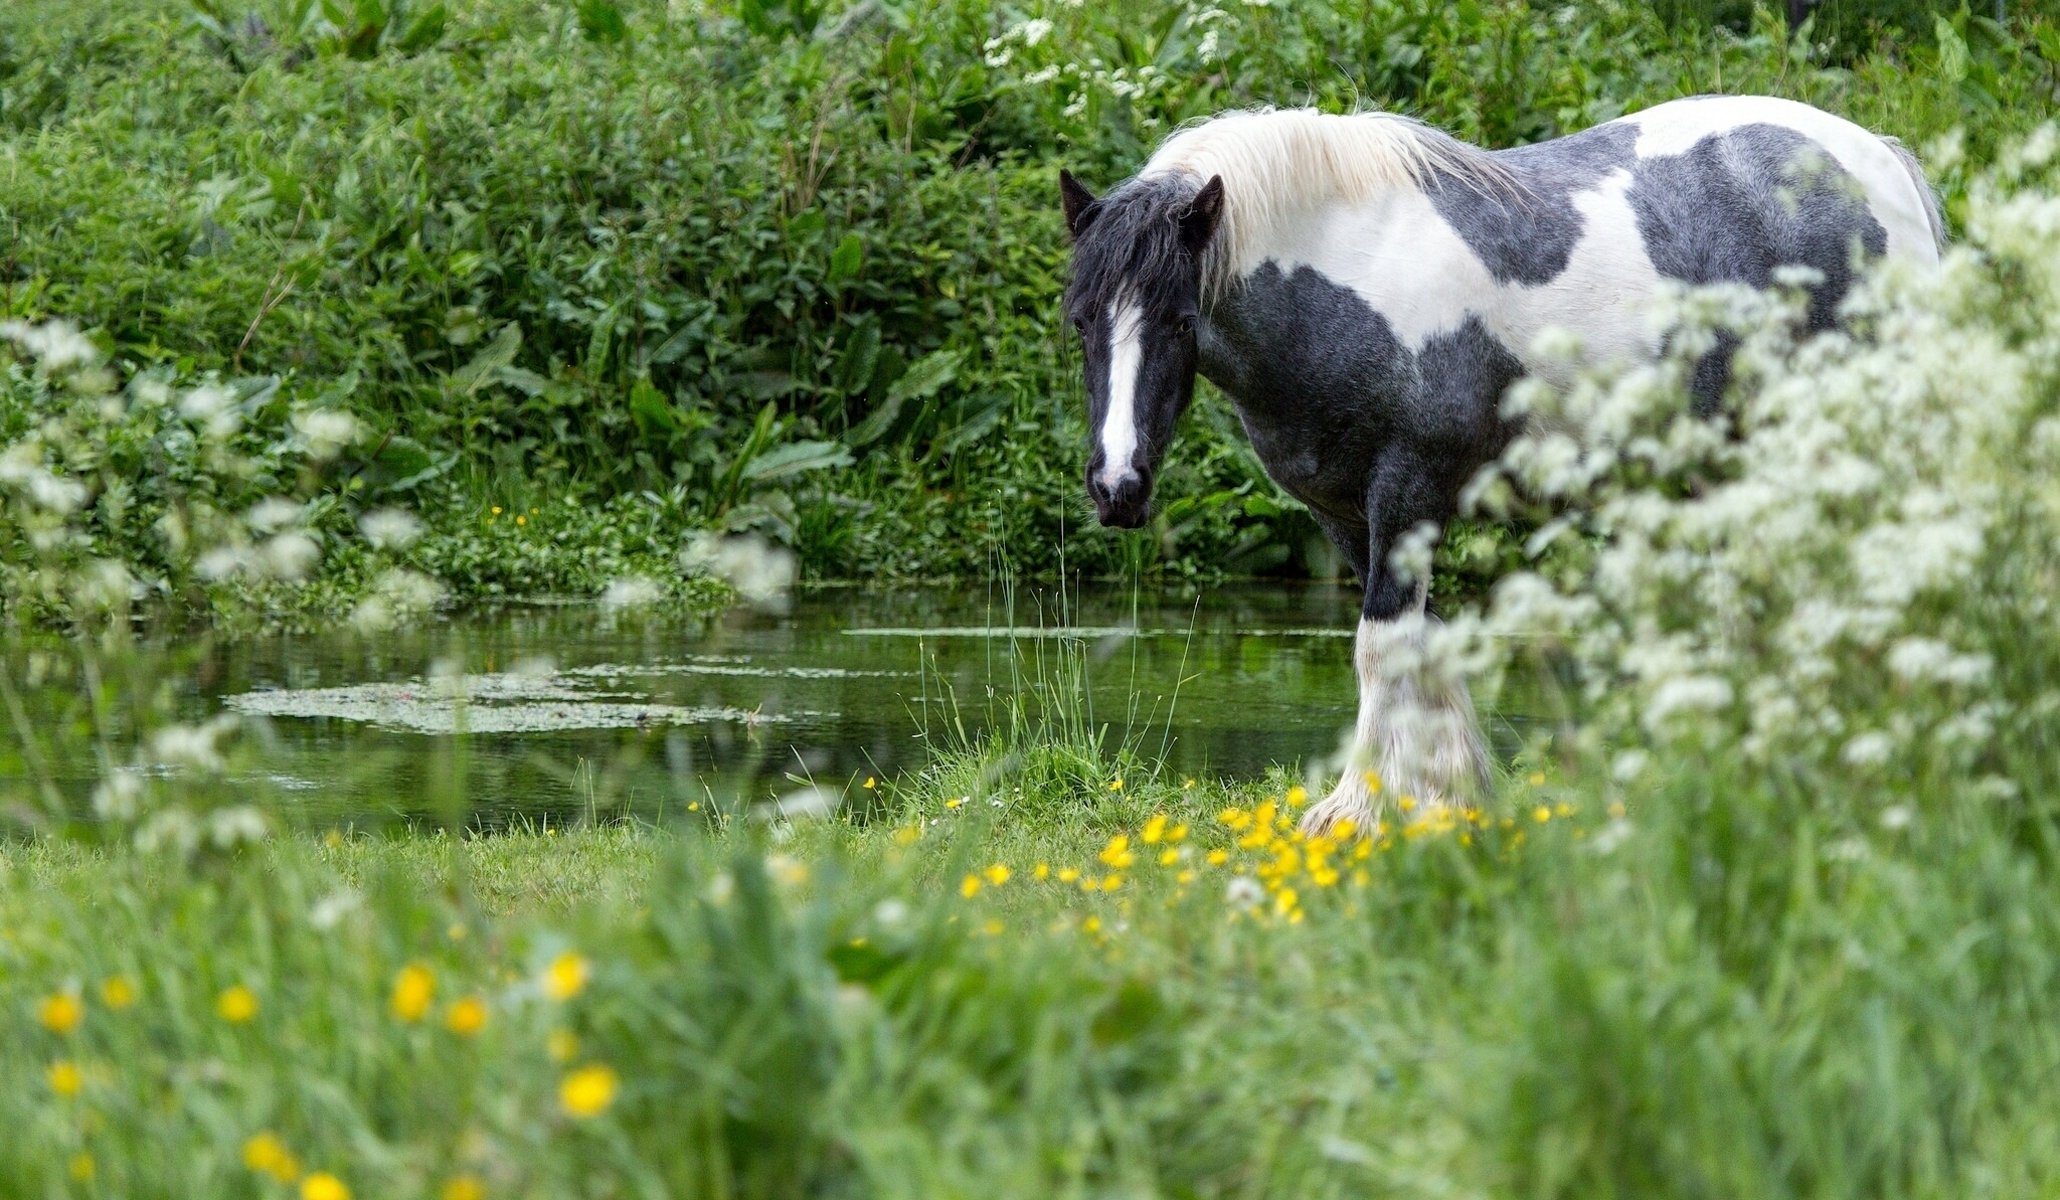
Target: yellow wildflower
[908,835]
[1068,874]
[455,931]
[955,802]
[236,1005]
[322,1185]
[1118,853]
[1406,804]
[1537,779]
[1616,808]
[1371,779]
[969,887]
[65,1078]
[60,1012]
[870,783]
[1187,876]
[1297,796]
[1178,833]
[497,510]
[567,976]
[466,1016]
[81,1168]
[1117,785]
[1168,856]
[993,927]
[997,874]
[1218,857]
[413,990]
[588,1091]
[118,992]
[463,1187]
[1112,883]
[521,520]
[1154,829]
[561,1045]
[1235,818]
[264,1152]
[1562,809]
[1541,814]
[1042,871]
[1092,924]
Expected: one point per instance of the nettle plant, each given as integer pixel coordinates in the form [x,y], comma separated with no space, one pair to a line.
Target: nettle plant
[147,502]
[1850,578]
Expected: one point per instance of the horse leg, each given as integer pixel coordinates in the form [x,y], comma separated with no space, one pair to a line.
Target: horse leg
[1416,734]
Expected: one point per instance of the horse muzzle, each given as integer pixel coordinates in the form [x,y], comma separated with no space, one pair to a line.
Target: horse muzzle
[1121,502]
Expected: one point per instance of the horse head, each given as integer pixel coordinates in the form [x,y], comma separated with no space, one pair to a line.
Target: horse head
[1136,301]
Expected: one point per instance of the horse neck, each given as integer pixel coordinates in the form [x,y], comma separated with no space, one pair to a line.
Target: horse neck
[1241,318]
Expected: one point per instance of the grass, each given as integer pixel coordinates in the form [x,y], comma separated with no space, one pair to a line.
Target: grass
[1714,993]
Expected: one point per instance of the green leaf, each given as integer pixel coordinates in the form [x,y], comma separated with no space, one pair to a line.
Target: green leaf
[675,347]
[487,364]
[425,30]
[875,425]
[401,463]
[924,376]
[602,21]
[795,457]
[1953,58]
[846,260]
[650,408]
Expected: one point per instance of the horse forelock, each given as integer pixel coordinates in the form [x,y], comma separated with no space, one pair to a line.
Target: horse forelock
[1132,251]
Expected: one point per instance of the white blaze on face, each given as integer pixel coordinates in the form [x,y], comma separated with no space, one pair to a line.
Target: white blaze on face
[1119,423]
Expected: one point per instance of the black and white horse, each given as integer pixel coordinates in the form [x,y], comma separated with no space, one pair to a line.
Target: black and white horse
[1364,288]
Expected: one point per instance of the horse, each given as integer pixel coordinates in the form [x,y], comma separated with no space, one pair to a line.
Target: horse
[1364,288]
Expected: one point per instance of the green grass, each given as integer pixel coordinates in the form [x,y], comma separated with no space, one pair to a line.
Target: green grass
[1720,993]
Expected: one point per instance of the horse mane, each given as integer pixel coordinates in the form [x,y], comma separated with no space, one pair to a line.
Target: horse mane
[1276,163]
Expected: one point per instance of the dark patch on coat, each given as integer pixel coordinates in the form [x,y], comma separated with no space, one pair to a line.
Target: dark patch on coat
[1525,231]
[1374,437]
[1732,208]
[1737,205]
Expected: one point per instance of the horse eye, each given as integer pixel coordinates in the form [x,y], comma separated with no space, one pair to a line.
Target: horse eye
[1186,324]
[1080,325]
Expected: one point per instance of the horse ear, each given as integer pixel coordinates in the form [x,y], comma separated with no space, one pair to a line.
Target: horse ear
[1198,223]
[1078,202]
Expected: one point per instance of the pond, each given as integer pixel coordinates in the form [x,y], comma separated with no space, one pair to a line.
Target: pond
[570,708]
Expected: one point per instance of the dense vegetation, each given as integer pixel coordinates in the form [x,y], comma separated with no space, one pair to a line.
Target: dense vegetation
[788,267]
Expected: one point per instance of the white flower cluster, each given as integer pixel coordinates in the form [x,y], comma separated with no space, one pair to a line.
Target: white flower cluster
[1837,570]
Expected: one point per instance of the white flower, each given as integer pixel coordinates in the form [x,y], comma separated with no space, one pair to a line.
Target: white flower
[390,528]
[272,514]
[288,556]
[1244,892]
[758,570]
[57,344]
[327,431]
[118,796]
[331,909]
[631,591]
[1868,749]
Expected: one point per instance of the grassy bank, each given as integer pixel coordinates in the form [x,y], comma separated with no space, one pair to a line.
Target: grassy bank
[659,269]
[1695,988]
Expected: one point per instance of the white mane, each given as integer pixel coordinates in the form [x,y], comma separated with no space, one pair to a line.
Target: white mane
[1279,163]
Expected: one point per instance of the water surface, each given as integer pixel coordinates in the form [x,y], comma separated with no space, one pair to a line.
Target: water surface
[545,710]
